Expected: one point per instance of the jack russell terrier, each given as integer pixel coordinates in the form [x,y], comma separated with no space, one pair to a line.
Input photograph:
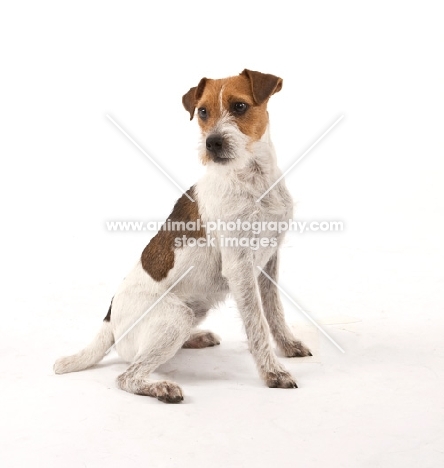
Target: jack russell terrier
[241,166]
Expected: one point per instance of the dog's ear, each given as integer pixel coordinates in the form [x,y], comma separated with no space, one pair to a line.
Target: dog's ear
[263,85]
[190,99]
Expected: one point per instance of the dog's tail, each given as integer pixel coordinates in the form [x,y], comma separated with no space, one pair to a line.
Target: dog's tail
[89,356]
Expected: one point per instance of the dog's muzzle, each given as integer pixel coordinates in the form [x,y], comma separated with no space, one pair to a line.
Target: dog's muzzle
[217,148]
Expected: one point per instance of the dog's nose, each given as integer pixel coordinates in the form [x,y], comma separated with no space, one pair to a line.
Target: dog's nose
[214,144]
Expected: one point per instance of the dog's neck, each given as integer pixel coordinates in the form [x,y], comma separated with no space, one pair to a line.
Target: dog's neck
[242,180]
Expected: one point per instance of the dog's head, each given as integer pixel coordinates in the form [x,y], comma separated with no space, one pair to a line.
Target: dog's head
[232,113]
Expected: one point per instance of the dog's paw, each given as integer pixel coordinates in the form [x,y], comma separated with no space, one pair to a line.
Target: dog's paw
[63,365]
[202,339]
[280,379]
[168,392]
[294,349]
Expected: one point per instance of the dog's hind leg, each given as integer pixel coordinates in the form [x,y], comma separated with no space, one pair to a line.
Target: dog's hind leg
[165,330]
[200,338]
[90,355]
[274,313]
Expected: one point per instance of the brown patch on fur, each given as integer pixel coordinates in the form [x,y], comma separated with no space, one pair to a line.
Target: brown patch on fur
[158,256]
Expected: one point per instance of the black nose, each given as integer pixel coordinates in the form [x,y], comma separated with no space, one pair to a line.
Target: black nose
[214,144]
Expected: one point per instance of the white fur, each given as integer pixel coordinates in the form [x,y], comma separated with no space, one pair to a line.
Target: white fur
[221,105]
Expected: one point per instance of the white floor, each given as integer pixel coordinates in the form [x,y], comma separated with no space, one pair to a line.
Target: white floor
[378,405]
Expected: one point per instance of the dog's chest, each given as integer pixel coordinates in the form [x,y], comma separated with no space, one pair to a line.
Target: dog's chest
[232,199]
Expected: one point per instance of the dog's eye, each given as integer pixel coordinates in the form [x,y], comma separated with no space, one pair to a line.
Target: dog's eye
[202,111]
[239,108]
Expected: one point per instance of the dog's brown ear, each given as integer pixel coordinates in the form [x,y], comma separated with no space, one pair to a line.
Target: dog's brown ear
[190,99]
[263,85]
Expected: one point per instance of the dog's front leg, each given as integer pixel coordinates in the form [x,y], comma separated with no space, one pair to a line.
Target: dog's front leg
[274,312]
[238,269]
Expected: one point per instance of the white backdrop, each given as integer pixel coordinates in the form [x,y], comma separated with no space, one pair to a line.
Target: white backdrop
[66,170]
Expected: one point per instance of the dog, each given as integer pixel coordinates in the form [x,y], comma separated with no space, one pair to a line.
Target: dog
[240,166]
